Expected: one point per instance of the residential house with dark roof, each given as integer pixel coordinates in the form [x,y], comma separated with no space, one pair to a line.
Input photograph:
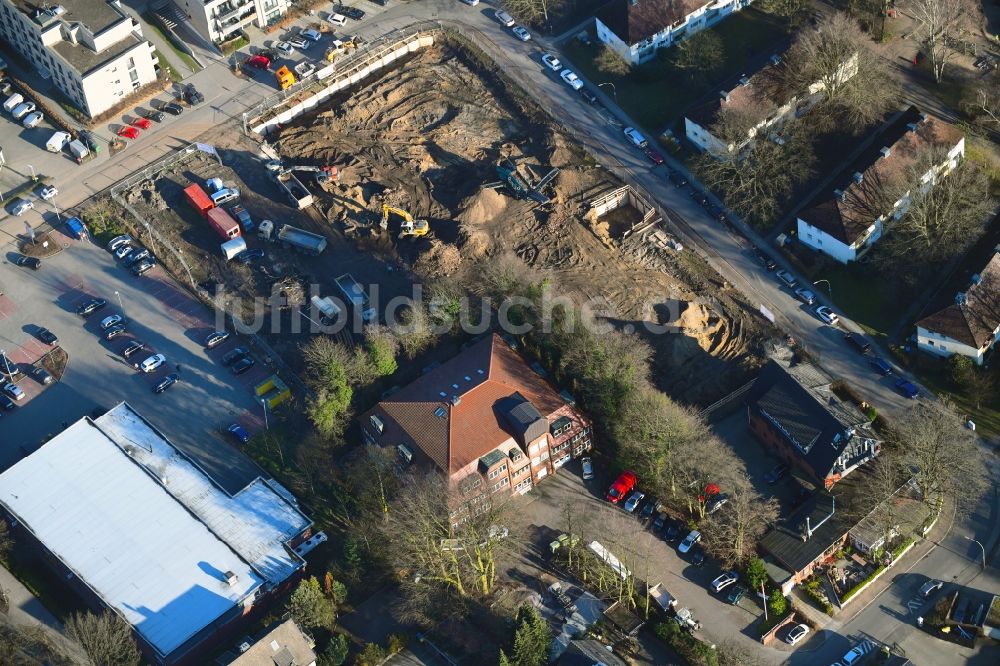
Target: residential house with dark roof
[483,417]
[793,411]
[847,219]
[970,324]
[756,103]
[636,28]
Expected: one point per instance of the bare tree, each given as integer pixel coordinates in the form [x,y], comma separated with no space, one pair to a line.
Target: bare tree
[885,477]
[733,530]
[533,12]
[934,441]
[611,62]
[941,23]
[703,55]
[983,104]
[836,60]
[106,638]
[699,464]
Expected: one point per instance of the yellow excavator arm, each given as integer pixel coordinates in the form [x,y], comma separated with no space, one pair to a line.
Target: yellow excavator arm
[409,227]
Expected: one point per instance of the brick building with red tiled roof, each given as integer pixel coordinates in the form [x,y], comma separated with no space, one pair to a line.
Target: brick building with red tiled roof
[484,416]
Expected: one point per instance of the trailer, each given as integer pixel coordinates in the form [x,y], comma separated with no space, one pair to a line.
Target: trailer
[355,295]
[233,247]
[664,599]
[297,193]
[222,223]
[301,239]
[78,151]
[609,558]
[198,199]
[57,142]
[329,311]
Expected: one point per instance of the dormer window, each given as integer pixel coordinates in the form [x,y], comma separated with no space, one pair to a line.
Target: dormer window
[377,424]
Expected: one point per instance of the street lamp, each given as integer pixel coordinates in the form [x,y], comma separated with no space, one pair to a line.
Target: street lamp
[829,287]
[263,403]
[33,177]
[6,362]
[120,304]
[981,548]
[614,91]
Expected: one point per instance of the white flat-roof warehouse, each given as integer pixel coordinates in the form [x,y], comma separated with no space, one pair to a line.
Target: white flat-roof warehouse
[141,526]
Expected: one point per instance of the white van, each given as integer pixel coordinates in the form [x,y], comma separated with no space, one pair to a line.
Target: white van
[337,19]
[57,142]
[22,109]
[12,101]
[225,196]
[33,119]
[636,138]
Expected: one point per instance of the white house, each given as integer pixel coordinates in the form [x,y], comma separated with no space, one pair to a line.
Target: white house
[847,220]
[762,95]
[92,50]
[971,324]
[217,20]
[636,28]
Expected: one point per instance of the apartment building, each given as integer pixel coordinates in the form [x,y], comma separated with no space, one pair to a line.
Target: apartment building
[217,20]
[636,28]
[91,49]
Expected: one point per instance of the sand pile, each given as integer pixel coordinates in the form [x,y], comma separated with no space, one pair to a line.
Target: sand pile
[442,259]
[699,323]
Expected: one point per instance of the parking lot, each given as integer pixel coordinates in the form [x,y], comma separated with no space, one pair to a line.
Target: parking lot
[193,413]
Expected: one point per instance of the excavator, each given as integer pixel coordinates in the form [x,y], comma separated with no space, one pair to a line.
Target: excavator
[339,48]
[520,187]
[409,227]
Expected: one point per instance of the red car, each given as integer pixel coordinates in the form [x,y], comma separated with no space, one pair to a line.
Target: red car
[128,132]
[259,62]
[622,486]
[141,123]
[654,155]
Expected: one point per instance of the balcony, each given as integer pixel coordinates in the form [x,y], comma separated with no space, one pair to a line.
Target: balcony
[233,10]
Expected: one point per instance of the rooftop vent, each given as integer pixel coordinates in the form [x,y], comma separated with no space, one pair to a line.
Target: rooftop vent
[454,386]
[840,194]
[885,151]
[923,117]
[775,59]
[976,278]
[911,126]
[468,378]
[245,645]
[440,412]
[480,372]
[724,95]
[961,298]
[231,578]
[858,177]
[744,80]
[456,399]
[442,394]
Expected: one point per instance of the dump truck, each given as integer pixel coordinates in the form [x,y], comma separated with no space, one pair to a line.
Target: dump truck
[300,239]
[223,223]
[198,199]
[233,247]
[78,151]
[328,310]
[284,77]
[355,295]
[297,194]
[57,142]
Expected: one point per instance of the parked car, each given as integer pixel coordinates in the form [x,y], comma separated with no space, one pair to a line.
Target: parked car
[128,132]
[118,241]
[123,251]
[46,336]
[505,19]
[521,33]
[854,655]
[217,338]
[21,206]
[796,633]
[673,531]
[660,521]
[736,594]
[648,508]
[638,140]
[48,192]
[258,62]
[311,34]
[697,557]
[242,365]
[353,13]
[141,123]
[805,295]
[907,388]
[132,348]
[858,342]
[41,375]
[588,468]
[154,115]
[166,382]
[930,587]
[113,320]
[764,260]
[14,391]
[305,69]
[172,109]
[91,306]
[725,580]
[623,484]
[114,332]
[337,19]
[142,267]
[827,315]
[571,79]
[693,537]
[653,154]
[589,96]
[34,263]
[880,365]
[776,474]
[299,42]
[632,503]
[23,109]
[152,363]
[716,503]
[786,278]
[284,48]
[239,433]
[235,355]
[192,95]
[32,120]
[677,178]
[551,61]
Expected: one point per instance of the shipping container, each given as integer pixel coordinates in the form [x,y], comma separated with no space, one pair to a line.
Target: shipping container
[223,223]
[198,199]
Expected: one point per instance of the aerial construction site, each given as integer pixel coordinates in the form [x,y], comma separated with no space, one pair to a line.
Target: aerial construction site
[443,148]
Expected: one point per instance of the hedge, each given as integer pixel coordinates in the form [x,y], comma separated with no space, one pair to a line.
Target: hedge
[857,588]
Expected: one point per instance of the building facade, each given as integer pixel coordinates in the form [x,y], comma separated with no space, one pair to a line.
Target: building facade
[847,220]
[485,418]
[217,20]
[92,50]
[636,28]
[970,325]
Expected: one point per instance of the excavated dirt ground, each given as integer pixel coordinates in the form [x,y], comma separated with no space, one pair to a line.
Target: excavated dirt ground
[427,135]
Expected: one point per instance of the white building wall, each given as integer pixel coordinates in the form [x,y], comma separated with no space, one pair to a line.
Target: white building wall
[825,243]
[216,20]
[941,345]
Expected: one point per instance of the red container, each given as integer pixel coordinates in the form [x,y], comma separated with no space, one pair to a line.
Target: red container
[223,223]
[198,199]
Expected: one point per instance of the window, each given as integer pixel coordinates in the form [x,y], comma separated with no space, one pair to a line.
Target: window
[536,460]
[498,471]
[134,75]
[523,486]
[377,423]
[501,484]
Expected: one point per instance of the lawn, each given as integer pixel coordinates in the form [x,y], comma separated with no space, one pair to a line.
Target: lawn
[858,292]
[656,94]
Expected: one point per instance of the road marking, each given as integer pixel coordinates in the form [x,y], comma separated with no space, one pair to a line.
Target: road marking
[914,604]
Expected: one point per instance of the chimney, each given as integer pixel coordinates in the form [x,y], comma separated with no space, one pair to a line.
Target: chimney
[960,298]
[840,194]
[859,177]
[885,151]
[231,578]
[911,126]
[744,80]
[976,278]
[724,94]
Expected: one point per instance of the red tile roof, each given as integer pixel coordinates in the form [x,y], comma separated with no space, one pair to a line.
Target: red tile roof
[974,321]
[470,427]
[636,20]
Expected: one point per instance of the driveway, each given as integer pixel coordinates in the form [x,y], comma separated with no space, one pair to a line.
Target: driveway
[167,319]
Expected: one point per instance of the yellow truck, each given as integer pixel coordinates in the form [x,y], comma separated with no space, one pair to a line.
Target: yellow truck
[284,77]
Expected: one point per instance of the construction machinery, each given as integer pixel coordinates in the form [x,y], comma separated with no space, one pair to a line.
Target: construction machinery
[339,48]
[284,77]
[520,186]
[322,174]
[409,227]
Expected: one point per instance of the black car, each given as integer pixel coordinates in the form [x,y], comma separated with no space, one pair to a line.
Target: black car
[166,382]
[800,495]
[858,342]
[46,336]
[154,115]
[242,365]
[90,142]
[31,262]
[172,109]
[6,402]
[42,375]
[699,197]
[132,348]
[216,339]
[380,3]
[697,557]
[677,178]
[192,95]
[247,256]
[660,521]
[114,332]
[672,532]
[647,509]
[764,260]
[136,255]
[776,474]
[589,96]
[143,266]
[235,355]
[352,13]
[91,306]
